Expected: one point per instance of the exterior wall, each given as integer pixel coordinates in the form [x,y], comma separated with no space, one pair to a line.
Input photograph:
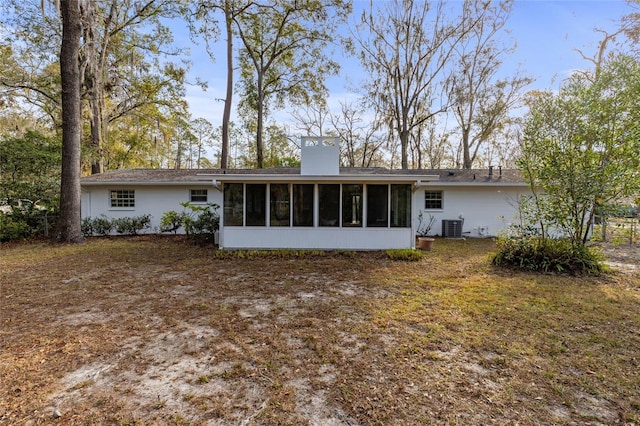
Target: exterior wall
[153,200]
[323,238]
[486,210]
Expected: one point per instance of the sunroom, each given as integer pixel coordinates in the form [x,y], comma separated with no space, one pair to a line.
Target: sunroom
[357,213]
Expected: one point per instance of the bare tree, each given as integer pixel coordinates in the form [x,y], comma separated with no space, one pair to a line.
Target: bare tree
[362,143]
[481,101]
[312,119]
[405,45]
[430,145]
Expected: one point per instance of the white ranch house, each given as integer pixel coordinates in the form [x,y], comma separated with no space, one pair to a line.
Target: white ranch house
[319,205]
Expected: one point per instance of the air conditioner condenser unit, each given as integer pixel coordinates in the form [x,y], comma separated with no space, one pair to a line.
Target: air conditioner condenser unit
[452,228]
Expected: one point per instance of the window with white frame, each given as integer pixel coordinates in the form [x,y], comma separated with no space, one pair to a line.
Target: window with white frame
[198,196]
[123,198]
[433,200]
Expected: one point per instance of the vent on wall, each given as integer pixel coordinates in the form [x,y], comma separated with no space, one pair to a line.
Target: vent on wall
[452,228]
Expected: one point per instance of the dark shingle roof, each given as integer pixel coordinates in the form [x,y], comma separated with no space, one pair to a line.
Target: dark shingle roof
[453,176]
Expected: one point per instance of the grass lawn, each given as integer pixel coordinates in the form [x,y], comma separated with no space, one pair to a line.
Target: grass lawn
[152,330]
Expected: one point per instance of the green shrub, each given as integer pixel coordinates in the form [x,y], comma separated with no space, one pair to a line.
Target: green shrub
[14,228]
[201,222]
[131,225]
[100,226]
[547,255]
[103,226]
[411,255]
[87,226]
[171,221]
[22,219]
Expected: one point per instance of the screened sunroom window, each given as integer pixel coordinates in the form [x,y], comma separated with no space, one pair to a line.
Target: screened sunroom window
[279,213]
[352,205]
[377,205]
[400,206]
[256,200]
[303,204]
[329,204]
[233,204]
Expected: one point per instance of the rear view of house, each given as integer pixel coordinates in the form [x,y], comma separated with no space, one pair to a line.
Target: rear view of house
[319,205]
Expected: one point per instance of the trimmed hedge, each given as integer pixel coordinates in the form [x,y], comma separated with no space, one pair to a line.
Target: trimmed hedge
[102,225]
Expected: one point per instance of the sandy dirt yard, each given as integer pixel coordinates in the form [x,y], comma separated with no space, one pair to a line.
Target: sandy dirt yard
[154,330]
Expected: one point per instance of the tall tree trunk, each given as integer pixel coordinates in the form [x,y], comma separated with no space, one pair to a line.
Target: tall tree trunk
[467,159]
[97,163]
[69,229]
[404,151]
[259,124]
[226,114]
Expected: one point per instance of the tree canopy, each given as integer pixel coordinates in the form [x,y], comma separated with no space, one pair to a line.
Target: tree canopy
[581,147]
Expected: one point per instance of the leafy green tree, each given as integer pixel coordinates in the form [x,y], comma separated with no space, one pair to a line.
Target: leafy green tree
[205,25]
[284,56]
[581,147]
[122,44]
[30,168]
[279,151]
[126,76]
[238,145]
[203,131]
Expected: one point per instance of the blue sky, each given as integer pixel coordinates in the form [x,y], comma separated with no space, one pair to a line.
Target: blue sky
[546,32]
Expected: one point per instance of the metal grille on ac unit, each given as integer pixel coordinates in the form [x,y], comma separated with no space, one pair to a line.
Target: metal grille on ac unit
[452,228]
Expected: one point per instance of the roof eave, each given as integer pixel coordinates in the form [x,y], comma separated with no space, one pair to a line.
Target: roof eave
[221,178]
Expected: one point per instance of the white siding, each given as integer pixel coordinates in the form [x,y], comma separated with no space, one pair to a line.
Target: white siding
[316,238]
[153,200]
[485,210]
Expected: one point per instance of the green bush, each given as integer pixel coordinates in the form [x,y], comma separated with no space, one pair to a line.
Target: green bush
[24,219]
[200,223]
[547,255]
[404,254]
[131,225]
[14,228]
[100,226]
[171,221]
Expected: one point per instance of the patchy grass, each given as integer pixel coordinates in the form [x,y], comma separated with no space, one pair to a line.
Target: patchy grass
[152,330]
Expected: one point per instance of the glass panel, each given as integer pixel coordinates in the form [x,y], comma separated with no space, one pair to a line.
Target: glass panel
[303,205]
[256,204]
[329,204]
[279,212]
[233,204]
[352,205]
[123,198]
[377,205]
[198,196]
[433,199]
[400,206]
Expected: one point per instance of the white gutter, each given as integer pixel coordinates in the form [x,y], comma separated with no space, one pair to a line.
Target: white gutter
[318,178]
